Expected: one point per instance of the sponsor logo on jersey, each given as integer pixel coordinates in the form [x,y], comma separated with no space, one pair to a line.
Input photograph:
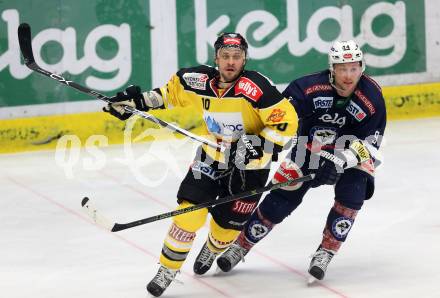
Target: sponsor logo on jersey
[224,124]
[335,119]
[243,207]
[356,111]
[323,135]
[318,88]
[196,80]
[323,102]
[203,168]
[341,226]
[248,88]
[365,101]
[276,116]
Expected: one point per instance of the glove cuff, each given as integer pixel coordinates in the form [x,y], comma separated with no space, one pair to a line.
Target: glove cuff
[356,153]
[152,99]
[350,159]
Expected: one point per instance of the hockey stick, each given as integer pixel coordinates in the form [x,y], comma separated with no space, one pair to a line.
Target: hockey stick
[102,221]
[25,41]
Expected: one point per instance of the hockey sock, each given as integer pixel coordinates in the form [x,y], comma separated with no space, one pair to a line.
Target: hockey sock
[219,238]
[180,236]
[256,229]
[339,222]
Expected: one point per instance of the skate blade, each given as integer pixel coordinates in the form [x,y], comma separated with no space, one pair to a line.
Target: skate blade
[218,271]
[311,281]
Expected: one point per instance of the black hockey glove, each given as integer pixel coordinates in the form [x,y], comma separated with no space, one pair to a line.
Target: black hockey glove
[243,151]
[132,97]
[327,173]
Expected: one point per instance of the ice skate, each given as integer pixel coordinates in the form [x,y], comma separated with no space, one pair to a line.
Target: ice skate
[318,265]
[204,260]
[161,281]
[231,257]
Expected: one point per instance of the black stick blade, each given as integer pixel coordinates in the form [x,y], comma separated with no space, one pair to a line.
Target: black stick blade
[25,41]
[84,201]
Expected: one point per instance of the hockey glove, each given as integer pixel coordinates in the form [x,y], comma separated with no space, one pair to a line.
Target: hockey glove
[328,173]
[243,151]
[133,97]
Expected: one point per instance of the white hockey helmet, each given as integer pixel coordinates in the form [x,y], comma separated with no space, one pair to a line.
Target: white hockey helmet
[345,52]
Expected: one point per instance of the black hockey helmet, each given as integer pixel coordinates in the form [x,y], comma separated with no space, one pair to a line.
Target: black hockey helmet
[231,40]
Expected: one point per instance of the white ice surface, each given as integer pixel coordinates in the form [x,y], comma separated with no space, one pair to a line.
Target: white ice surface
[48,248]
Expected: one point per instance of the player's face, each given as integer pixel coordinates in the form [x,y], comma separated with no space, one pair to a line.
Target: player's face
[347,76]
[230,62]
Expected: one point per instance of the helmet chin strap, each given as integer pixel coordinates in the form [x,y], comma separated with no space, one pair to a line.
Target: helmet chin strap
[332,81]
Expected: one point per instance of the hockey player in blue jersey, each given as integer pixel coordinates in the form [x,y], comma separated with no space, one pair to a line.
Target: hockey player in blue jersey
[341,111]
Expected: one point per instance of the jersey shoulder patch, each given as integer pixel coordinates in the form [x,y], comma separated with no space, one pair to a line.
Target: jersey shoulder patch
[258,89]
[366,101]
[369,94]
[196,77]
[356,111]
[248,88]
[317,88]
[314,83]
[196,80]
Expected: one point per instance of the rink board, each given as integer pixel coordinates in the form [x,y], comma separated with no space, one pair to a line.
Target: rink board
[91,129]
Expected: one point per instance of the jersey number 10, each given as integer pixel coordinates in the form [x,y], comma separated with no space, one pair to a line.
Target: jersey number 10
[206,103]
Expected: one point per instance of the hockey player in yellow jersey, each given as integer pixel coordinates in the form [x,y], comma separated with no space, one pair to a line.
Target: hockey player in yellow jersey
[237,106]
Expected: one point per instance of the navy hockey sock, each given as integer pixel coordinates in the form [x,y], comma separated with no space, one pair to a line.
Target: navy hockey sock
[339,222]
[256,229]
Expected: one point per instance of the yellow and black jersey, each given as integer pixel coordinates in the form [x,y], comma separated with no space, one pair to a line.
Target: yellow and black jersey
[252,105]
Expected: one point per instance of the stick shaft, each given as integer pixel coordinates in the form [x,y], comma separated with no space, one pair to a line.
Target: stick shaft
[25,41]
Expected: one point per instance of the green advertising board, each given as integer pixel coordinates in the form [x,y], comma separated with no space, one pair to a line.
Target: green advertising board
[291,38]
[102,44]
[109,44]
